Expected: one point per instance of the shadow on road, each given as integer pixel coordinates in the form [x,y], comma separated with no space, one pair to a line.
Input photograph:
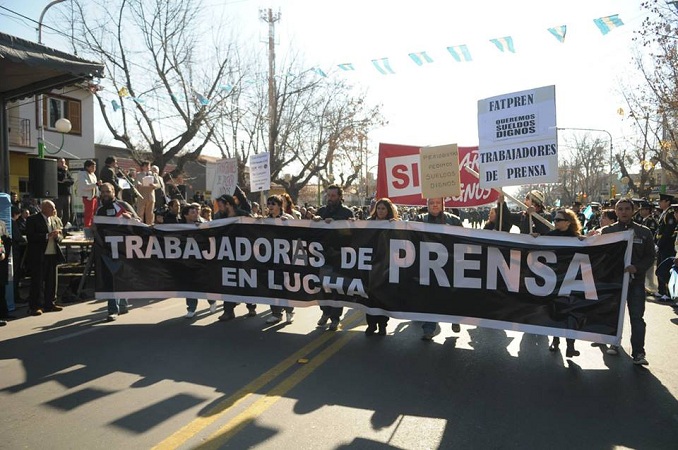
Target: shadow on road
[485,396]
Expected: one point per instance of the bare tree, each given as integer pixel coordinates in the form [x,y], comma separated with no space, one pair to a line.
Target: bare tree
[319,126]
[583,170]
[654,104]
[169,94]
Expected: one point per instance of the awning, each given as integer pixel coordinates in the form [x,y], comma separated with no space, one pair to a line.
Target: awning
[27,68]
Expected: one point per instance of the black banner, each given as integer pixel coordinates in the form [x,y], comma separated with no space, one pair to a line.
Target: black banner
[546,285]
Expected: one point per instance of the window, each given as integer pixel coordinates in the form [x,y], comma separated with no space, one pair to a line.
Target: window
[56,107]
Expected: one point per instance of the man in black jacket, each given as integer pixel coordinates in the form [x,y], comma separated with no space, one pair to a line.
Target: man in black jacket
[333,210]
[42,256]
[642,258]
[109,173]
[64,183]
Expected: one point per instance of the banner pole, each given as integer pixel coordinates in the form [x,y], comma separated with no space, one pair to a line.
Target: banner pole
[509,196]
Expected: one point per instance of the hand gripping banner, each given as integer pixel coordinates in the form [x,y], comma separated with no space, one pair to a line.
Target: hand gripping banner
[556,286]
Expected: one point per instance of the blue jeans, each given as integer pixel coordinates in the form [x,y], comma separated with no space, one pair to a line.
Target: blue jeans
[117,305]
[636,304]
[192,304]
[429,327]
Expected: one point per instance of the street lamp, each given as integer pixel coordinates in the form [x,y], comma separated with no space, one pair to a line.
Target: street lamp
[40,97]
[611,146]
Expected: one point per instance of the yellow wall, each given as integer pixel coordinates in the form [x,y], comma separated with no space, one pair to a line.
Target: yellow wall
[18,168]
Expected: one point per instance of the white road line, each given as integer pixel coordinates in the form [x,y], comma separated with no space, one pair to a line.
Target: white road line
[68,336]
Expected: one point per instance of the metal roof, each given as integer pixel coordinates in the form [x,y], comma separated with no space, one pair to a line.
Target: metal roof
[27,68]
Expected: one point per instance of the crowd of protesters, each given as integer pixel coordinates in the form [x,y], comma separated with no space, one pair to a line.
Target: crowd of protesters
[146,196]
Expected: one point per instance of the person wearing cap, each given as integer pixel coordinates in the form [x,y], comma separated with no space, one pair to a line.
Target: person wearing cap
[642,257]
[648,219]
[534,200]
[665,242]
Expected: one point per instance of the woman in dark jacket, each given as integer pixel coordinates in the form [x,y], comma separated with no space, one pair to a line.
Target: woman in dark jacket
[567,224]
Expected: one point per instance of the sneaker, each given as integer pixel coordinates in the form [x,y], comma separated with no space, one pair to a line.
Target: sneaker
[323,320]
[274,319]
[111,317]
[2,323]
[427,337]
[334,325]
[289,317]
[657,294]
[456,328]
[665,298]
[190,315]
[640,360]
[612,350]
[226,316]
[213,308]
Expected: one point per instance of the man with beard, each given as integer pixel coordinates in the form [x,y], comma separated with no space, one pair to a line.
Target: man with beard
[333,210]
[112,207]
[436,214]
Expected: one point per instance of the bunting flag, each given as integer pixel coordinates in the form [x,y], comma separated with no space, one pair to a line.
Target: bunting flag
[123,92]
[116,105]
[383,66]
[421,58]
[606,24]
[504,44]
[137,100]
[559,32]
[346,66]
[226,87]
[319,71]
[203,100]
[459,52]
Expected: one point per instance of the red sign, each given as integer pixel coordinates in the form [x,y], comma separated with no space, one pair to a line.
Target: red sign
[398,177]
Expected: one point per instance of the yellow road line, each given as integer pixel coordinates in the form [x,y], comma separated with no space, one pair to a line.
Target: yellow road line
[243,419]
[222,408]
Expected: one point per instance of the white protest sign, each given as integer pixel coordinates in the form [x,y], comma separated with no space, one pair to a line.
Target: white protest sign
[224,177]
[439,167]
[517,140]
[260,172]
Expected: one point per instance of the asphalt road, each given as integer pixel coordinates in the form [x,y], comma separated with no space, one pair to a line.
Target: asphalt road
[155,379]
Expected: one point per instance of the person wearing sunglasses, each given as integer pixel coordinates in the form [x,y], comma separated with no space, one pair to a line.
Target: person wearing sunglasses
[274,204]
[567,224]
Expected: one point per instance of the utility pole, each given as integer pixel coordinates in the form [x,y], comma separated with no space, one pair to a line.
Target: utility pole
[267,16]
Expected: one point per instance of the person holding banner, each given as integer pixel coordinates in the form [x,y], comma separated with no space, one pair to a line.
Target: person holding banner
[436,214]
[665,242]
[333,210]
[642,257]
[275,204]
[567,224]
[534,200]
[383,210]
[228,207]
[189,214]
[110,206]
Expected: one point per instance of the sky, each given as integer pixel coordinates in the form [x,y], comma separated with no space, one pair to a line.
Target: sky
[436,103]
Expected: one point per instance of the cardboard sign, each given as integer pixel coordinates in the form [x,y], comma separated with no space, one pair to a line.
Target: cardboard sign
[439,168]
